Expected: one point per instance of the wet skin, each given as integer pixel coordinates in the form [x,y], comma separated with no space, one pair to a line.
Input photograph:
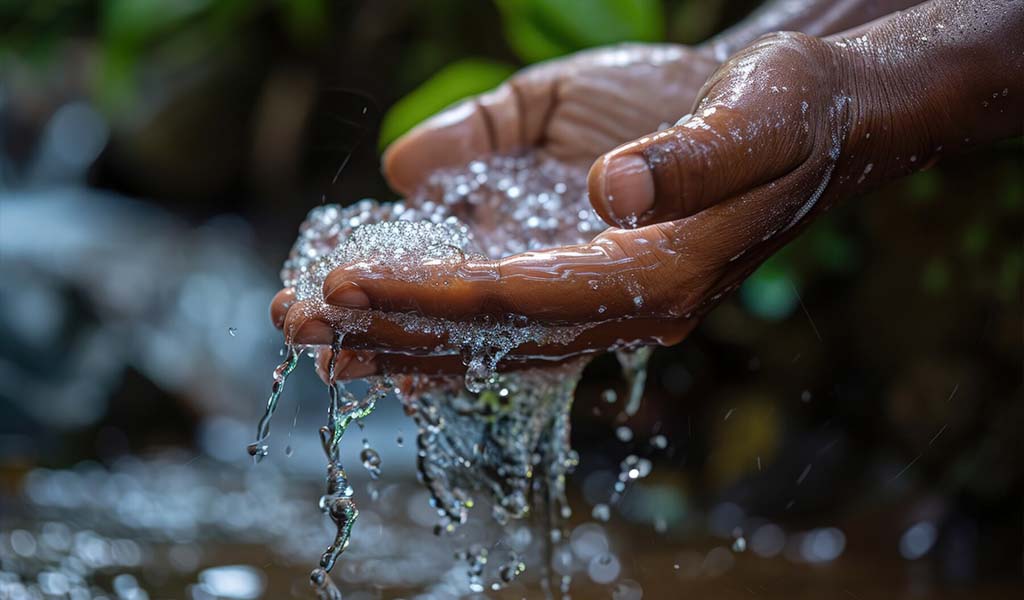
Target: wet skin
[783,130]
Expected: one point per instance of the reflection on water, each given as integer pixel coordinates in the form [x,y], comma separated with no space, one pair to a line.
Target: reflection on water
[140,527]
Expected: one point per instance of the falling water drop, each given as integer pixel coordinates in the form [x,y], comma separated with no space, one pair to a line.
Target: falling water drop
[259,449]
[625,434]
[370,459]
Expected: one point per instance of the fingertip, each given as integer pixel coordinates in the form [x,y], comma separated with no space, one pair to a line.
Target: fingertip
[307,330]
[279,306]
[451,138]
[339,291]
[397,166]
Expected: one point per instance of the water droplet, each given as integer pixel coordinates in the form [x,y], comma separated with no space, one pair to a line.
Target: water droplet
[371,462]
[625,434]
[258,451]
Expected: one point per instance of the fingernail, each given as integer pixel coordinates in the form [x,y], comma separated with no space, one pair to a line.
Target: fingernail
[347,295]
[279,306]
[628,188]
[312,333]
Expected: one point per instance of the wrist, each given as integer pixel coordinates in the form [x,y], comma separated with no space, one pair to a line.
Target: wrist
[920,91]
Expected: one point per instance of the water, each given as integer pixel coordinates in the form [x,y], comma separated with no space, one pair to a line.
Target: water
[343,408]
[259,449]
[634,369]
[371,460]
[500,437]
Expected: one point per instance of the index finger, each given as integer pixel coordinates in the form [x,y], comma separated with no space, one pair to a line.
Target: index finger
[504,120]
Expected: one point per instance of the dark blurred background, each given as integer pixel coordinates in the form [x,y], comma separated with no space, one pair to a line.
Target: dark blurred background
[847,425]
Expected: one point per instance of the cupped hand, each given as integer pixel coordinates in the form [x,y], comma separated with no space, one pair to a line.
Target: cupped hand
[778,136]
[572,109]
[783,130]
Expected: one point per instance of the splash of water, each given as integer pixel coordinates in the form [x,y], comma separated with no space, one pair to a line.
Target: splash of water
[259,449]
[503,435]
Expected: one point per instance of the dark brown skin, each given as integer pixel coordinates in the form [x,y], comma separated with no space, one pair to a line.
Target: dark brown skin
[786,128]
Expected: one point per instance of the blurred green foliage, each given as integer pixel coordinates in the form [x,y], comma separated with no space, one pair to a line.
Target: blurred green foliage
[538,30]
[535,30]
[133,36]
[173,34]
[772,291]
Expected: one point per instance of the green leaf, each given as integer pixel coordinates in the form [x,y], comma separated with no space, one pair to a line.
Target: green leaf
[537,30]
[454,82]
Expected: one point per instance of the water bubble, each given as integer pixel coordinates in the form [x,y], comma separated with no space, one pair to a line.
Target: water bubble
[22,542]
[768,540]
[822,545]
[604,568]
[625,434]
[918,540]
[371,462]
[233,581]
[588,540]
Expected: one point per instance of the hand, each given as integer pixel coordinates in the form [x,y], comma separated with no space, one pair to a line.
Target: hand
[572,109]
[784,129]
[749,169]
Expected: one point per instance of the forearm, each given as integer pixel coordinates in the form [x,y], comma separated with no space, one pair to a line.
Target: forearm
[813,17]
[942,77]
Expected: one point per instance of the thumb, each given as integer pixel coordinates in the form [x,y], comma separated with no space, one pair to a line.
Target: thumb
[704,159]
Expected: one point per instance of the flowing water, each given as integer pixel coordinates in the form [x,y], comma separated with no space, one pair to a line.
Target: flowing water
[501,435]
